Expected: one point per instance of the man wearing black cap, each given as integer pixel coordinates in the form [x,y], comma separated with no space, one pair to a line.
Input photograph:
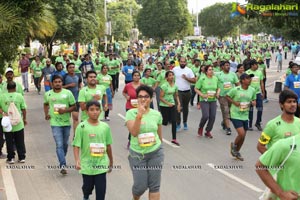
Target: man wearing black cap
[240,98]
[257,83]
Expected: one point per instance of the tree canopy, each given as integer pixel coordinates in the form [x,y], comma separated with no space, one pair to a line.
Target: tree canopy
[215,20]
[164,19]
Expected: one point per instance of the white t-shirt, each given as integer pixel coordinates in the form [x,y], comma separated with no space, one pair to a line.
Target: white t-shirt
[179,81]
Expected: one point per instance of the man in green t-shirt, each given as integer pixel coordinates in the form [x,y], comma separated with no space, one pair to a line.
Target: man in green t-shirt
[58,105]
[282,126]
[258,84]
[227,81]
[93,140]
[9,75]
[240,98]
[287,184]
[15,134]
[92,92]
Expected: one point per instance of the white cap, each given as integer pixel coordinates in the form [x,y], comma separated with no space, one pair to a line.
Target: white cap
[6,124]
[9,70]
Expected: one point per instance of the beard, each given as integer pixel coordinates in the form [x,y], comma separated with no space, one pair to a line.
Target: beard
[182,66]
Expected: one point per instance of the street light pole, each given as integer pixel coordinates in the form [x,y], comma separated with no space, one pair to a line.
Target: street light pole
[105,16]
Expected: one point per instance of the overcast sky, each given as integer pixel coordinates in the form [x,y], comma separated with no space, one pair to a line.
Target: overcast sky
[197,5]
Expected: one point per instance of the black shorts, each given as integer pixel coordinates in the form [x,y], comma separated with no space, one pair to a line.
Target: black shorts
[237,123]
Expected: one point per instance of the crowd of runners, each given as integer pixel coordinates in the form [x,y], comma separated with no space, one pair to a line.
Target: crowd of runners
[79,93]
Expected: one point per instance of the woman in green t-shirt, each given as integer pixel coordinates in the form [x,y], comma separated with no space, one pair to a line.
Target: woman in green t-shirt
[168,109]
[208,89]
[105,79]
[146,154]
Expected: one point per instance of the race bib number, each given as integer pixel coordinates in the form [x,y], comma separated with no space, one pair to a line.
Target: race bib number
[227,85]
[134,102]
[211,94]
[297,84]
[56,107]
[244,106]
[97,149]
[130,71]
[98,71]
[48,76]
[106,80]
[38,73]
[146,139]
[255,79]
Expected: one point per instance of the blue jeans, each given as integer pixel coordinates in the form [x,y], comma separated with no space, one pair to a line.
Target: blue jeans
[259,107]
[61,136]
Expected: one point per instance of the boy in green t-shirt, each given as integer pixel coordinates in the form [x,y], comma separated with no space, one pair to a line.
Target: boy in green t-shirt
[93,140]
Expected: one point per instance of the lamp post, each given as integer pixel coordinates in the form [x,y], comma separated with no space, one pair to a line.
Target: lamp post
[105,16]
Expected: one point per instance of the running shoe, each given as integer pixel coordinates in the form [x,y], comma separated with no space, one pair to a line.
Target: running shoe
[239,156]
[258,126]
[208,135]
[10,161]
[250,129]
[178,127]
[174,141]
[185,127]
[21,161]
[63,172]
[228,131]
[200,132]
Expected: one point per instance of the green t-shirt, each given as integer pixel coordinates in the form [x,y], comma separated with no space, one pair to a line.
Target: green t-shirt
[19,88]
[268,55]
[161,77]
[216,70]
[111,64]
[277,129]
[124,55]
[262,68]
[208,86]
[59,59]
[195,71]
[152,67]
[37,71]
[148,81]
[62,99]
[86,94]
[245,97]
[227,82]
[93,141]
[285,49]
[5,100]
[287,177]
[169,92]
[97,68]
[104,80]
[147,140]
[255,81]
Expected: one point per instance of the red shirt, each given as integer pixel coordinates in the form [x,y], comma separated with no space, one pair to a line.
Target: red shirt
[130,91]
[24,64]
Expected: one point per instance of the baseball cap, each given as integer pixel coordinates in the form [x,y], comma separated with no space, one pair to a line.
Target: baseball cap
[6,124]
[9,70]
[245,76]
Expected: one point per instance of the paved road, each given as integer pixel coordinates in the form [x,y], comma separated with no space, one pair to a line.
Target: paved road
[215,174]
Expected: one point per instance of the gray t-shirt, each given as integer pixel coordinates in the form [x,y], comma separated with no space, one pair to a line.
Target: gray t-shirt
[47,71]
[73,79]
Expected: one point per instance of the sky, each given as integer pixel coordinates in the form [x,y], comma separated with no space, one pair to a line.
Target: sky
[197,5]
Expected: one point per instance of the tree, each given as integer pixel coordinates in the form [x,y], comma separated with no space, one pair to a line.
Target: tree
[164,19]
[78,21]
[215,20]
[122,15]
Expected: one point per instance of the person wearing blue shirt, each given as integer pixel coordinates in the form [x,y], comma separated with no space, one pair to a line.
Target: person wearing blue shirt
[59,70]
[86,65]
[127,71]
[279,60]
[292,82]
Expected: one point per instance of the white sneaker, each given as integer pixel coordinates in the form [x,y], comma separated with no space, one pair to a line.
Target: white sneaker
[12,161]
[21,161]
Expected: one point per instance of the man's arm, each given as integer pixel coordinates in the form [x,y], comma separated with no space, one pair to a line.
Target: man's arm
[269,181]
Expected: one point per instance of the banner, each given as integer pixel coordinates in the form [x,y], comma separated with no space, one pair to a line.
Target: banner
[245,37]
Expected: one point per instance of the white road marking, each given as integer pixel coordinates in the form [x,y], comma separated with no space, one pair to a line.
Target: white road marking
[164,140]
[9,184]
[245,183]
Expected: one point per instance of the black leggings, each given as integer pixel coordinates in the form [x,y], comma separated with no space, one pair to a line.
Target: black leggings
[169,115]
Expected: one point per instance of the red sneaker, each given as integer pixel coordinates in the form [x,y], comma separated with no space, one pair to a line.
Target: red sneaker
[200,132]
[208,135]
